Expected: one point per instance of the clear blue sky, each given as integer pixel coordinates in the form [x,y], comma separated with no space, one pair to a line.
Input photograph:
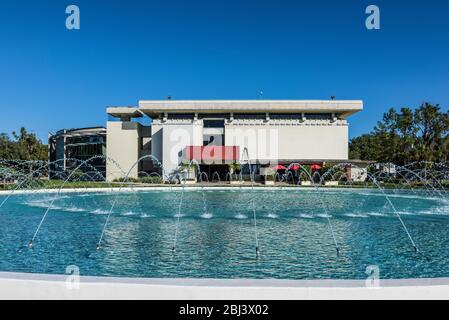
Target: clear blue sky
[52,78]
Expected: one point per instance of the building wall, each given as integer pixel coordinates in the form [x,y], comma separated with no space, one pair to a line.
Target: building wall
[307,141]
[311,140]
[123,147]
[156,139]
[358,174]
[264,141]
[170,138]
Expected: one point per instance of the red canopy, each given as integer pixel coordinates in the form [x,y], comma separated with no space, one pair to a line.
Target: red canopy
[315,167]
[279,167]
[294,167]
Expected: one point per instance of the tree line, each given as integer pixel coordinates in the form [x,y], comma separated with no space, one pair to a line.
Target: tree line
[406,136]
[22,146]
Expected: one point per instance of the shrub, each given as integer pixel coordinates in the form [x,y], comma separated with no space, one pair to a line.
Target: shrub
[151,179]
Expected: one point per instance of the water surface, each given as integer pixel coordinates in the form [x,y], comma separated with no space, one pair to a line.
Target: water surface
[216,236]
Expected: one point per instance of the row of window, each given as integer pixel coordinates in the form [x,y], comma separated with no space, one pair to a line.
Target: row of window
[211,123]
[85,150]
[88,139]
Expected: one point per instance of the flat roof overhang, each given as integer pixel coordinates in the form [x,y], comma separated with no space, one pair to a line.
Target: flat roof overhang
[344,108]
[79,132]
[124,112]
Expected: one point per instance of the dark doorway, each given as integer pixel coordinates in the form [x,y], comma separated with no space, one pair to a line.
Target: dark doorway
[222,170]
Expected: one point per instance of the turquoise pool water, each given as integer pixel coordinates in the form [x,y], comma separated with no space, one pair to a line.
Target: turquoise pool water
[216,237]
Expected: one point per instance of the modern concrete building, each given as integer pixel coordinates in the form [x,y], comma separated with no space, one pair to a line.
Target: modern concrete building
[217,133]
[71,146]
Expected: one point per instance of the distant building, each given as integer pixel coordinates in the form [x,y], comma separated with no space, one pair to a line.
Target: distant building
[72,146]
[217,133]
[357,170]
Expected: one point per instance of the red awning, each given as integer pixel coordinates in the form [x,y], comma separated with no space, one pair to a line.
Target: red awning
[279,167]
[294,167]
[315,167]
[212,154]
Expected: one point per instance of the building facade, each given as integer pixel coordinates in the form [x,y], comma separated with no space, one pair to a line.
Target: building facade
[69,147]
[215,134]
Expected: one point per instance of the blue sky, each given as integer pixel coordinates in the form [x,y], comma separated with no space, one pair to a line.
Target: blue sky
[52,78]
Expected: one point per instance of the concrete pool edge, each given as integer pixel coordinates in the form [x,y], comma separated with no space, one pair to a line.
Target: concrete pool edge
[45,286]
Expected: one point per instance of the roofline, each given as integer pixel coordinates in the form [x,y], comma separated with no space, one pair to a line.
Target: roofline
[85,128]
[266,104]
[63,132]
[123,112]
[154,107]
[251,101]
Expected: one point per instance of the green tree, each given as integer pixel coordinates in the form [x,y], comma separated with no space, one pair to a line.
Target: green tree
[23,146]
[406,132]
[386,138]
[406,136]
[433,127]
[364,147]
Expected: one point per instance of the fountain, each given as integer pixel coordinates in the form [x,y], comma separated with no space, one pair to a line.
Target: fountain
[341,206]
[121,186]
[216,177]
[246,161]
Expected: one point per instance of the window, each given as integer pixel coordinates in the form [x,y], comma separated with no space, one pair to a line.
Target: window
[285,116]
[250,116]
[180,116]
[213,140]
[318,116]
[213,116]
[213,123]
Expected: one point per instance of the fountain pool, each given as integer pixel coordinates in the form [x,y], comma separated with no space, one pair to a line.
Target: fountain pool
[215,236]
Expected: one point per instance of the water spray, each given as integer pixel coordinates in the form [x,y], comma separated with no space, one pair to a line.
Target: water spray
[178,216]
[331,229]
[376,183]
[415,248]
[121,187]
[86,162]
[256,236]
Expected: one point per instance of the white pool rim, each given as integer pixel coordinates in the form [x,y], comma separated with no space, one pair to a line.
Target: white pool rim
[47,287]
